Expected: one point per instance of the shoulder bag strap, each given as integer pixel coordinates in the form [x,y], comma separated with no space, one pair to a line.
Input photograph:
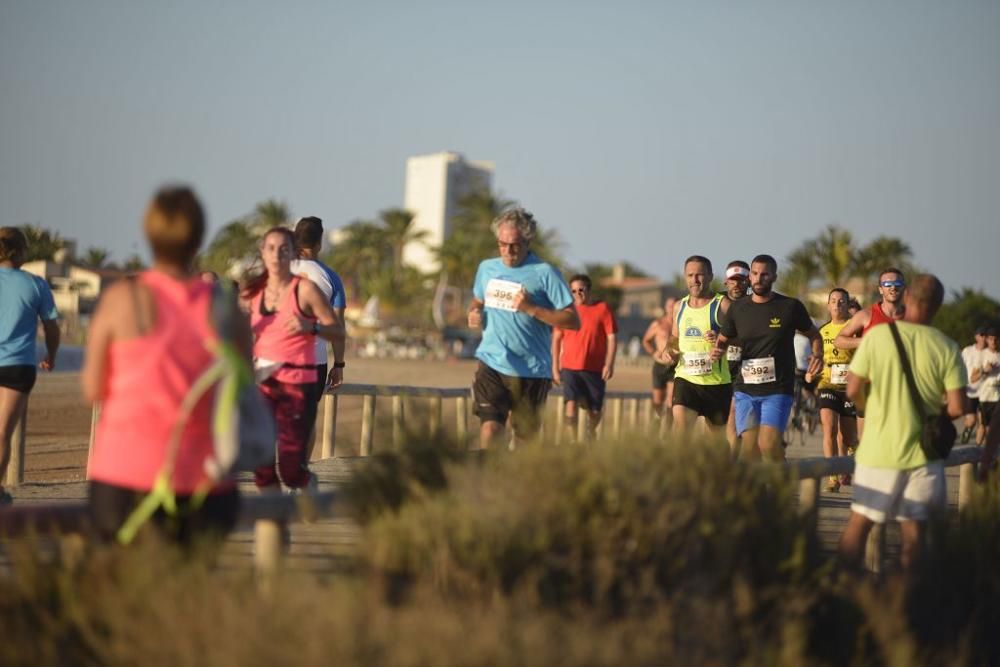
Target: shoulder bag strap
[907,371]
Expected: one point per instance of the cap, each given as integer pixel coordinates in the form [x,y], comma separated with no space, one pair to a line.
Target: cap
[734,271]
[990,331]
[981,330]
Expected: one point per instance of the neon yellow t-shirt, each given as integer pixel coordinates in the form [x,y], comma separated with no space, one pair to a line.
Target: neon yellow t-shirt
[892,427]
[835,360]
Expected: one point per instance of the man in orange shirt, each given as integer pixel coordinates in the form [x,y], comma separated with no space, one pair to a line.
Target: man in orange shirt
[584,360]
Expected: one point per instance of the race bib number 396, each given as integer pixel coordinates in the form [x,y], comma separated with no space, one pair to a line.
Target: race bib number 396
[758,371]
[500,294]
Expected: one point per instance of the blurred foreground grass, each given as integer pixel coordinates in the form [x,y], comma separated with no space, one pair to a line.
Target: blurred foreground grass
[628,553]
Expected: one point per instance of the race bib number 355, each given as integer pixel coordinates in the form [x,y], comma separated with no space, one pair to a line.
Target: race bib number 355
[697,363]
[758,371]
[500,294]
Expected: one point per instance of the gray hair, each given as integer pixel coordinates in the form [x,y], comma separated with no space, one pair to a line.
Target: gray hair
[521,219]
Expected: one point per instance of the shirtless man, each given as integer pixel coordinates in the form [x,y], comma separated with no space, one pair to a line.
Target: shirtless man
[656,338]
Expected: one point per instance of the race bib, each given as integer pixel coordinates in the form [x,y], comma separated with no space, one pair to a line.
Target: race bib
[697,363]
[838,374]
[734,353]
[758,371]
[500,294]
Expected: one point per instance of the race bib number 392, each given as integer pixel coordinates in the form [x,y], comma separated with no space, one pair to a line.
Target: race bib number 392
[500,294]
[758,371]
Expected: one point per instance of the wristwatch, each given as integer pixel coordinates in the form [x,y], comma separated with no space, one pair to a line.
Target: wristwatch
[316,328]
[339,364]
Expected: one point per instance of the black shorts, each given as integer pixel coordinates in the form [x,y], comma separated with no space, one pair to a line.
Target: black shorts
[321,373]
[584,387]
[498,395]
[836,400]
[987,409]
[974,405]
[711,401]
[19,378]
[662,374]
[111,505]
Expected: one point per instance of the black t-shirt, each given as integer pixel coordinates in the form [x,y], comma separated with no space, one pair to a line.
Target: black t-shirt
[766,330]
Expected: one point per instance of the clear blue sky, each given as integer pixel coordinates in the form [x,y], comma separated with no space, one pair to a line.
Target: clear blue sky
[644,131]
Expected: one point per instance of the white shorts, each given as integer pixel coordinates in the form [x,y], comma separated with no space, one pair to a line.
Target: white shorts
[884,494]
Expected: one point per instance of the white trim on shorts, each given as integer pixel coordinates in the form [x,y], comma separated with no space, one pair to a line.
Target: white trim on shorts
[885,494]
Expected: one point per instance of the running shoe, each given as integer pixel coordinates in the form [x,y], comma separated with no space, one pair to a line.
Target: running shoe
[833,484]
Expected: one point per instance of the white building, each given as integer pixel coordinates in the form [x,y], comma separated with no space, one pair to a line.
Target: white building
[434,184]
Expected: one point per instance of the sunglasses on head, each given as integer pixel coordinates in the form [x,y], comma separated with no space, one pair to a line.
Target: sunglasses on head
[898,284]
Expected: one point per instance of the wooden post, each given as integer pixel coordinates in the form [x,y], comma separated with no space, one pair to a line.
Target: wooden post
[560,419]
[581,423]
[809,501]
[647,416]
[435,417]
[616,417]
[367,425]
[966,477]
[398,421]
[95,416]
[330,405]
[462,419]
[633,414]
[875,548]
[15,468]
[267,548]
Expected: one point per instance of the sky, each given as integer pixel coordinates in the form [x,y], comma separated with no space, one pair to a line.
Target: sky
[641,131]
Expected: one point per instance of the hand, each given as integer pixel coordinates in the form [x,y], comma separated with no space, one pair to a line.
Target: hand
[521,302]
[715,354]
[555,376]
[335,378]
[711,336]
[475,319]
[47,364]
[608,371]
[815,367]
[664,357]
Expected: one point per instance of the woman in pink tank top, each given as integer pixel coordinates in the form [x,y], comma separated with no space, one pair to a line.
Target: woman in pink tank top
[147,343]
[287,313]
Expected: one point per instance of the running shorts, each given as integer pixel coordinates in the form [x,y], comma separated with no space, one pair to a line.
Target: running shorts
[884,494]
[833,399]
[710,401]
[987,410]
[20,378]
[497,396]
[585,387]
[753,411]
[662,374]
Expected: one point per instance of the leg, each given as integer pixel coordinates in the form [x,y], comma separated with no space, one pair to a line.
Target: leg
[852,543]
[683,417]
[912,536]
[593,420]
[13,406]
[749,448]
[770,444]
[731,436]
[659,397]
[295,415]
[829,419]
[490,431]
[569,423]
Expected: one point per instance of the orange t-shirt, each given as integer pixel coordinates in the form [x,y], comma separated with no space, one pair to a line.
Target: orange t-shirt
[585,348]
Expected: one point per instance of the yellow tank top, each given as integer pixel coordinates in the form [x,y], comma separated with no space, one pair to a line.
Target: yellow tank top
[694,364]
[835,361]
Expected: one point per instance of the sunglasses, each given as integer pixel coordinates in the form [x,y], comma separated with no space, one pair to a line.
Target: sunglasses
[898,284]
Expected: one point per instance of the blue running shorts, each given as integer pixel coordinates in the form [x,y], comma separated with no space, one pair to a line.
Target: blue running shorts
[754,411]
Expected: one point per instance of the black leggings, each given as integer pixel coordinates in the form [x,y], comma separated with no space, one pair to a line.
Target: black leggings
[111,505]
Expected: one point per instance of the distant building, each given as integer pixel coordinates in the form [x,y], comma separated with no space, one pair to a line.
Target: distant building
[641,302]
[434,185]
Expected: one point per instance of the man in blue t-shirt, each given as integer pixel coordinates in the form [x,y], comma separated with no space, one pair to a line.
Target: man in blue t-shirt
[308,243]
[518,299]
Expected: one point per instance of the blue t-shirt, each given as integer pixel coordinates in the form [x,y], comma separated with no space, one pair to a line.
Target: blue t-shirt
[338,300]
[517,344]
[24,299]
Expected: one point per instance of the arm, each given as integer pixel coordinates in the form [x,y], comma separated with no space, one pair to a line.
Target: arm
[956,404]
[329,326]
[609,358]
[816,361]
[649,338]
[856,390]
[721,343]
[93,376]
[557,336]
[51,330]
[563,319]
[849,337]
[986,461]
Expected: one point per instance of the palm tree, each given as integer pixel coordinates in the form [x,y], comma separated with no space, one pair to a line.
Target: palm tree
[134,264]
[883,252]
[271,213]
[398,231]
[236,243]
[96,258]
[362,250]
[42,243]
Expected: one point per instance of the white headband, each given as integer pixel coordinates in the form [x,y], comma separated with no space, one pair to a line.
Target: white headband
[736,271]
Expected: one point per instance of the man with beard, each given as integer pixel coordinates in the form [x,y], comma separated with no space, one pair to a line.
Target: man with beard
[702,386]
[765,325]
[737,286]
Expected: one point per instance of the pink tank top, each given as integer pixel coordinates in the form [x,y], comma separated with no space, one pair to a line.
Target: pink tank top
[147,378]
[296,352]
